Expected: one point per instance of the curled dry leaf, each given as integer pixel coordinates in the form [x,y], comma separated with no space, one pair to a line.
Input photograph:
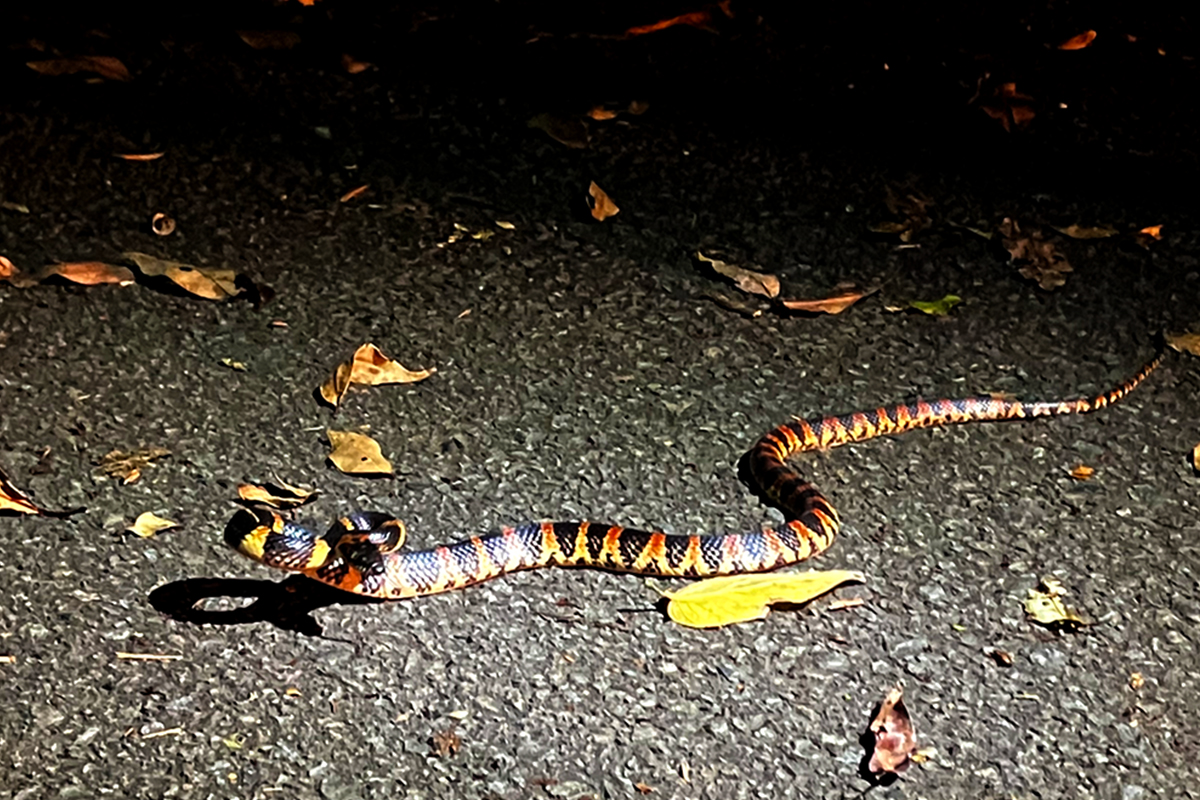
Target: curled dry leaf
[834,304]
[1086,232]
[148,524]
[731,599]
[128,465]
[276,494]
[353,193]
[211,284]
[89,273]
[352,65]
[602,205]
[270,40]
[895,737]
[1042,262]
[746,280]
[445,743]
[368,367]
[1078,42]
[1045,606]
[9,205]
[697,19]
[571,131]
[1082,472]
[161,224]
[14,501]
[357,454]
[1184,342]
[140,156]
[105,66]
[1012,108]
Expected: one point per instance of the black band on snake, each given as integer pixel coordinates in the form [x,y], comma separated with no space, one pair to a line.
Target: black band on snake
[361,552]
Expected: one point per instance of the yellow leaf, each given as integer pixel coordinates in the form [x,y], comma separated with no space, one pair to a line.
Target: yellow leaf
[602,205]
[740,598]
[368,367]
[147,524]
[1046,607]
[276,495]
[356,454]
[1184,342]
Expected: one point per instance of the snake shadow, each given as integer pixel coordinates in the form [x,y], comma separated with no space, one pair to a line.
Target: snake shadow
[286,604]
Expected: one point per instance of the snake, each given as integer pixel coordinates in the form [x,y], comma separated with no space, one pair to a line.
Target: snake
[362,551]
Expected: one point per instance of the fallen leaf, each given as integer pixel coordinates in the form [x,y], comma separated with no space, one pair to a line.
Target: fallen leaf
[445,743]
[14,501]
[20,208]
[1153,231]
[696,19]
[1196,458]
[270,40]
[936,308]
[89,273]
[128,465]
[1046,607]
[746,280]
[162,225]
[834,304]
[600,113]
[368,367]
[1082,472]
[1012,108]
[357,454]
[210,284]
[1001,657]
[1136,681]
[7,269]
[140,156]
[602,206]
[353,65]
[1084,232]
[571,131]
[277,494]
[1078,42]
[506,225]
[643,788]
[731,599]
[895,737]
[105,66]
[1184,342]
[638,107]
[1042,262]
[147,524]
[912,209]
[353,193]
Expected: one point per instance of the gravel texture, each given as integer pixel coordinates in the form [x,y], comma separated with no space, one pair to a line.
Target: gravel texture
[594,378]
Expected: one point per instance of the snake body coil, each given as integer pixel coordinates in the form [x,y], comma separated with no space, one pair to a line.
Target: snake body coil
[361,552]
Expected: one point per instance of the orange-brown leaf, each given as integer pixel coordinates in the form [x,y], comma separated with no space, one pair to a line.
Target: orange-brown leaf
[357,454]
[834,304]
[105,66]
[1082,472]
[90,273]
[353,65]
[140,156]
[353,193]
[1184,342]
[895,737]
[602,205]
[697,19]
[1078,42]
[368,367]
[276,495]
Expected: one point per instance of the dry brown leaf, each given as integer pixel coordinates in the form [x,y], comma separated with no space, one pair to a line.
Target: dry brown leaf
[895,737]
[353,193]
[9,205]
[140,156]
[14,501]
[128,465]
[913,211]
[270,40]
[602,206]
[1196,458]
[353,65]
[148,524]
[1078,42]
[600,113]
[357,454]
[643,788]
[638,107]
[445,743]
[746,280]
[277,494]
[1082,472]
[1184,342]
[161,224]
[571,131]
[834,304]
[1153,231]
[697,19]
[368,367]
[210,284]
[1002,657]
[1012,108]
[89,273]
[105,66]
[1085,232]
[1043,263]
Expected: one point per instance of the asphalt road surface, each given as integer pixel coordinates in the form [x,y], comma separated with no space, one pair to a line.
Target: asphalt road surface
[596,370]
